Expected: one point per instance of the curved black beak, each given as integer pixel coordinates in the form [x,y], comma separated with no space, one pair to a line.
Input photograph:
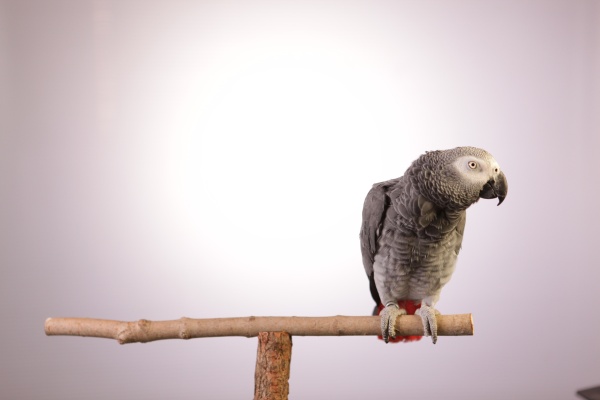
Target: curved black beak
[495,188]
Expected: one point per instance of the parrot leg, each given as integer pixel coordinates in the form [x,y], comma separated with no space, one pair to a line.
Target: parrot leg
[428,314]
[388,320]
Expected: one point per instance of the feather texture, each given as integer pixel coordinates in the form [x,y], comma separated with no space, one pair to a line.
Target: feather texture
[413,226]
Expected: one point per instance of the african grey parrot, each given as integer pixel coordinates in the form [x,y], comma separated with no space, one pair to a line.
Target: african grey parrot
[412,231]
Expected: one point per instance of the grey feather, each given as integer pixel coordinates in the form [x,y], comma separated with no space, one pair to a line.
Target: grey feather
[413,226]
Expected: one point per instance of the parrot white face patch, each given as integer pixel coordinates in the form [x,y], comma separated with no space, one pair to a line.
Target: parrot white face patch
[476,169]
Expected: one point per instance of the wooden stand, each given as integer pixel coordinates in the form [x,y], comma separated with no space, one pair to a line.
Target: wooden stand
[274,353]
[273,358]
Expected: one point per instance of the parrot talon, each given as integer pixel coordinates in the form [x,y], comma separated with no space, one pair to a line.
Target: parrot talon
[428,314]
[388,320]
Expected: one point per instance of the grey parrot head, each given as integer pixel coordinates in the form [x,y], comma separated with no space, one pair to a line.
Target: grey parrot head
[459,177]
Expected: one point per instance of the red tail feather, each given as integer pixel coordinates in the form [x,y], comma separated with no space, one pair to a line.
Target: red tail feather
[410,307]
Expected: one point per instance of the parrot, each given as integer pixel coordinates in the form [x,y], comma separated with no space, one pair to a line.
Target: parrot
[412,230]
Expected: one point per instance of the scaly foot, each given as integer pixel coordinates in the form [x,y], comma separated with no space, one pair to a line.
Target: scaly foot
[428,314]
[388,320]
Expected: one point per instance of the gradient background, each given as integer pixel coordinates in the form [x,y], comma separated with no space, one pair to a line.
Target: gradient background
[161,159]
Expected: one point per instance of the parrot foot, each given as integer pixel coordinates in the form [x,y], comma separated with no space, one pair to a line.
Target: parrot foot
[388,320]
[428,314]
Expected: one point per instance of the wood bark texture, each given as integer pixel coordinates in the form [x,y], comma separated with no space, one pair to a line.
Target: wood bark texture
[273,358]
[187,328]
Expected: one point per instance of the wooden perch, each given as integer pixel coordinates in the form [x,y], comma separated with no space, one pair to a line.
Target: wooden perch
[188,328]
[274,352]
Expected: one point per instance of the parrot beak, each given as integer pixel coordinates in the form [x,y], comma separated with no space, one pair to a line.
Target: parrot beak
[495,188]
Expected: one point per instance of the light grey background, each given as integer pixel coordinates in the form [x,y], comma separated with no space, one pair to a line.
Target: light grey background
[161,159]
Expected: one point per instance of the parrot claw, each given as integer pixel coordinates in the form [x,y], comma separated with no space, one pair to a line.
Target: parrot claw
[388,320]
[428,314]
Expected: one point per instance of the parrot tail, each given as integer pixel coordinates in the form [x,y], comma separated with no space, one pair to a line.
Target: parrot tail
[410,307]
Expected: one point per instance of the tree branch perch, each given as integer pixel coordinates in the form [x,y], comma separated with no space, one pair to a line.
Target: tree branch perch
[187,328]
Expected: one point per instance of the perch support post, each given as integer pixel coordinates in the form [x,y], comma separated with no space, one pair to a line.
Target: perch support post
[272,374]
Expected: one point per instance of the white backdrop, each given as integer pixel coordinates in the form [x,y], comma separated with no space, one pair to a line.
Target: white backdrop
[161,159]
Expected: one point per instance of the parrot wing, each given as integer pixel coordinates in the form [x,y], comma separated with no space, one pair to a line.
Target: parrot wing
[373,215]
[375,208]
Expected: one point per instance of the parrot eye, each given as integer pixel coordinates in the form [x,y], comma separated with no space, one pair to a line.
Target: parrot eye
[472,164]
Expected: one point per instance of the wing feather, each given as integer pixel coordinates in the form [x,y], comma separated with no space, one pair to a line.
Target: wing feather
[375,208]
